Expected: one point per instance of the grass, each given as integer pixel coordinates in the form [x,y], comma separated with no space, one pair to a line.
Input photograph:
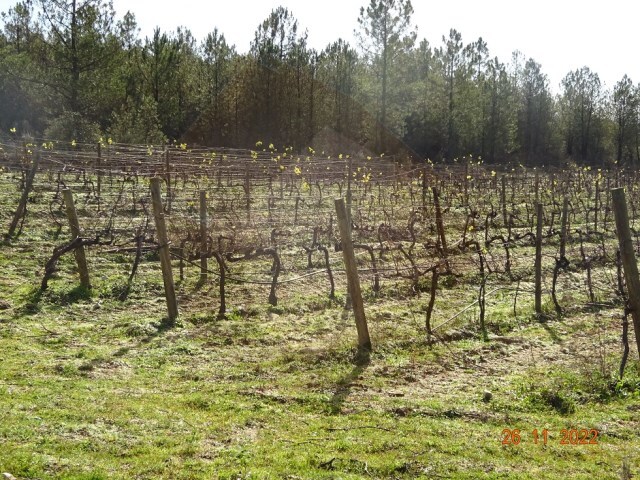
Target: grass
[92,387]
[104,392]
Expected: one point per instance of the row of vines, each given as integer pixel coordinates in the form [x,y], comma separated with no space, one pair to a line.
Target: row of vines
[267,218]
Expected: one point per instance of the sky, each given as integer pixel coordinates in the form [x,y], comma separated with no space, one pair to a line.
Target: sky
[561,35]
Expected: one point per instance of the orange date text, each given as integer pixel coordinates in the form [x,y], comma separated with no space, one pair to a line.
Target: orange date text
[568,436]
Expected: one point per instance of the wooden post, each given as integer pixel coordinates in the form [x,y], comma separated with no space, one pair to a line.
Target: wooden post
[167,173]
[607,203]
[465,201]
[247,191]
[203,236]
[579,180]
[74,226]
[563,229]
[348,303]
[596,207]
[424,190]
[165,256]
[439,222]
[503,200]
[537,186]
[295,216]
[22,205]
[281,185]
[538,261]
[628,255]
[24,171]
[349,197]
[364,342]
[99,172]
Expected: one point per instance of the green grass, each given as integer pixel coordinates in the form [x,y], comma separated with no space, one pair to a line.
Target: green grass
[108,393]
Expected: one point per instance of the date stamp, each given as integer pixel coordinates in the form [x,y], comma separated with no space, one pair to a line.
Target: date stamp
[568,436]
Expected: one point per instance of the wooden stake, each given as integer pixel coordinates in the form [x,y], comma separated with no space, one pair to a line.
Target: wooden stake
[563,229]
[503,200]
[247,191]
[165,256]
[538,261]
[22,205]
[364,341]
[628,255]
[348,303]
[74,226]
[349,194]
[596,207]
[99,171]
[424,190]
[466,184]
[203,236]
[167,172]
[439,222]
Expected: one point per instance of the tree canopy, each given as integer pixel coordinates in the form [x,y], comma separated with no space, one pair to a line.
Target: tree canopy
[69,69]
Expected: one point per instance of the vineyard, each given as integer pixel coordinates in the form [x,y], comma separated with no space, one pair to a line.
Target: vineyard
[494,295]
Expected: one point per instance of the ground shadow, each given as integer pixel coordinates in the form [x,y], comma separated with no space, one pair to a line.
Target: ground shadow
[57,297]
[161,328]
[360,362]
[552,332]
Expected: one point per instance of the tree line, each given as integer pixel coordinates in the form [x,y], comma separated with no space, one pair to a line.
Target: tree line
[70,69]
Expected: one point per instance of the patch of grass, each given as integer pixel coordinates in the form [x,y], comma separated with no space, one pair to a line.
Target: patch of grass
[563,390]
[62,295]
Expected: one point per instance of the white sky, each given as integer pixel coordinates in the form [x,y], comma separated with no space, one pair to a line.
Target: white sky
[562,35]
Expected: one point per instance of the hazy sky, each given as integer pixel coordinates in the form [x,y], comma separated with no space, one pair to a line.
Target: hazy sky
[562,35]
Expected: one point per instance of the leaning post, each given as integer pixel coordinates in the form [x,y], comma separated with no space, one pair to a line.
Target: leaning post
[364,341]
[165,256]
[627,252]
[74,226]
[22,205]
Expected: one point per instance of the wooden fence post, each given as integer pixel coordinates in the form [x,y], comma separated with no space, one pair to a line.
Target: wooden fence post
[22,205]
[203,236]
[165,256]
[295,215]
[503,200]
[424,190]
[563,228]
[364,341]
[348,303]
[247,191]
[596,206]
[538,261]
[439,222]
[74,226]
[99,172]
[167,172]
[465,200]
[628,255]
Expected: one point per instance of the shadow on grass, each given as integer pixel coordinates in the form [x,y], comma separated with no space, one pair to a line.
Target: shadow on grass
[31,303]
[59,297]
[34,300]
[552,332]
[361,361]
[161,328]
